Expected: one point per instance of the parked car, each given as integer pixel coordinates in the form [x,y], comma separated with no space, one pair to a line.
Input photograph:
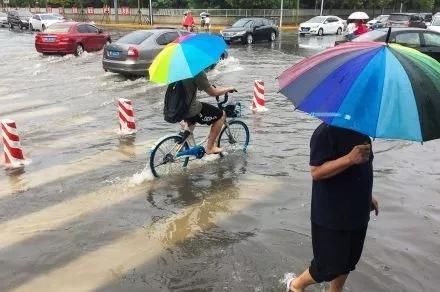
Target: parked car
[71,38]
[435,24]
[248,30]
[423,40]
[406,20]
[42,21]
[59,16]
[3,19]
[378,22]
[19,18]
[320,25]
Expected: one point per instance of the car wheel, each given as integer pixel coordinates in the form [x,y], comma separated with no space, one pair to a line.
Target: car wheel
[79,49]
[339,31]
[31,27]
[11,26]
[249,39]
[320,32]
[273,36]
[43,27]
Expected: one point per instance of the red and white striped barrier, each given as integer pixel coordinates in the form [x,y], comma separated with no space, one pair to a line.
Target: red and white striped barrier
[258,103]
[13,156]
[127,124]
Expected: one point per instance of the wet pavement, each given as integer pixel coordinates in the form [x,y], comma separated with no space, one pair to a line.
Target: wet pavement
[84,215]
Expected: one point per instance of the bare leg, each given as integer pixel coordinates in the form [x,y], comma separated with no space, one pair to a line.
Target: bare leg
[300,283]
[215,131]
[338,284]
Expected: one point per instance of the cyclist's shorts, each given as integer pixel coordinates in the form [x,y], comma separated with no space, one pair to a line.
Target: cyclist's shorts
[208,115]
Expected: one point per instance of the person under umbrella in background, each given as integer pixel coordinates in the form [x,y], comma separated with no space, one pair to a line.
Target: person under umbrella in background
[361,28]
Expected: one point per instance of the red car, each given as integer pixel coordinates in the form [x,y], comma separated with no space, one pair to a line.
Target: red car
[71,38]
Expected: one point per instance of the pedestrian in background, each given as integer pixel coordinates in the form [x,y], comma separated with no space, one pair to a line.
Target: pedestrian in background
[341,163]
[188,21]
[207,23]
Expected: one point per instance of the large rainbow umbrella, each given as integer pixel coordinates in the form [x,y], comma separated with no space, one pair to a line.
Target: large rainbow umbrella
[381,90]
[186,57]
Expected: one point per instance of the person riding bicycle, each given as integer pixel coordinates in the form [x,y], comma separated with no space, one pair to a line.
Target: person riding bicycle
[205,113]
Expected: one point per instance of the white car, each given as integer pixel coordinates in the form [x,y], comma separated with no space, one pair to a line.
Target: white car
[380,19]
[3,19]
[435,24]
[42,21]
[320,25]
[59,16]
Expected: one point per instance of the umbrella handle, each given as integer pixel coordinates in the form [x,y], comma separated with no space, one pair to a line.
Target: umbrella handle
[387,40]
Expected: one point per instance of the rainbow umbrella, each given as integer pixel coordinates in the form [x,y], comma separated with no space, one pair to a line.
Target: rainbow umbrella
[379,89]
[186,57]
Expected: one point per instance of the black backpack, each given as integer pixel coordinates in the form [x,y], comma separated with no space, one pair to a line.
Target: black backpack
[175,106]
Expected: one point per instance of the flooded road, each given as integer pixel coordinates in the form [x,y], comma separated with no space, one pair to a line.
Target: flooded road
[84,215]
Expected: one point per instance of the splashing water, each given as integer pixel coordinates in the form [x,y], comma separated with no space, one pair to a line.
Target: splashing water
[141,177]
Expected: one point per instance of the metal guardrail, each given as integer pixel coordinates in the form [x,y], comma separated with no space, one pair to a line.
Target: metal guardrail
[269,13]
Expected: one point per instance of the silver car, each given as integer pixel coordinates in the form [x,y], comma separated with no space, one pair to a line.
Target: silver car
[133,53]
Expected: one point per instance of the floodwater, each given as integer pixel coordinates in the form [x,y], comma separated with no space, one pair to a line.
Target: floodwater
[84,215]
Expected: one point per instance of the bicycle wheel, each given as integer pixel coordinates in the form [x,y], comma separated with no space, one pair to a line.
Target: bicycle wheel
[235,137]
[163,158]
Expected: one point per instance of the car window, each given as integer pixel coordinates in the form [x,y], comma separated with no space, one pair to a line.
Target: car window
[258,22]
[167,38]
[432,39]
[92,29]
[171,36]
[48,17]
[184,32]
[316,19]
[244,22]
[58,27]
[36,17]
[82,28]
[410,39]
[332,19]
[399,17]
[414,18]
[134,38]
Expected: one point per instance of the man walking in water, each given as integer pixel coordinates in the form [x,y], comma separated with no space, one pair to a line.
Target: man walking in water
[341,163]
[205,113]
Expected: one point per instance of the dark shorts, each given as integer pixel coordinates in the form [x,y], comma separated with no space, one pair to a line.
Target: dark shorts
[336,252]
[208,115]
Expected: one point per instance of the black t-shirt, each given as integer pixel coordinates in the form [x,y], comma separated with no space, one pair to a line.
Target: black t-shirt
[341,202]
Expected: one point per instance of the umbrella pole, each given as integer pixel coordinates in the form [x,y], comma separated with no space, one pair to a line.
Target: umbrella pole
[387,40]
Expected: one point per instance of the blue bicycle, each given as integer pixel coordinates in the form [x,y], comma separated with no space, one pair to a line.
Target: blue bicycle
[172,153]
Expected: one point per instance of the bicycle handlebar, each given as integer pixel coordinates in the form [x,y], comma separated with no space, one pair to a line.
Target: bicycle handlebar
[225,98]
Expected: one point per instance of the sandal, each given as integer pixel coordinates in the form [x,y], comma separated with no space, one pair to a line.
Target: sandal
[289,281]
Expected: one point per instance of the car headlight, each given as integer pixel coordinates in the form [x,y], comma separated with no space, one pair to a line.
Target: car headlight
[314,26]
[221,32]
[241,32]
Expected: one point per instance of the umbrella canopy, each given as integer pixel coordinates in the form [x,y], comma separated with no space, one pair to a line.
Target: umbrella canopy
[381,90]
[359,15]
[204,14]
[186,57]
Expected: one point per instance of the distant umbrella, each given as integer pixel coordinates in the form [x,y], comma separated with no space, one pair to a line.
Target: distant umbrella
[204,14]
[359,15]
